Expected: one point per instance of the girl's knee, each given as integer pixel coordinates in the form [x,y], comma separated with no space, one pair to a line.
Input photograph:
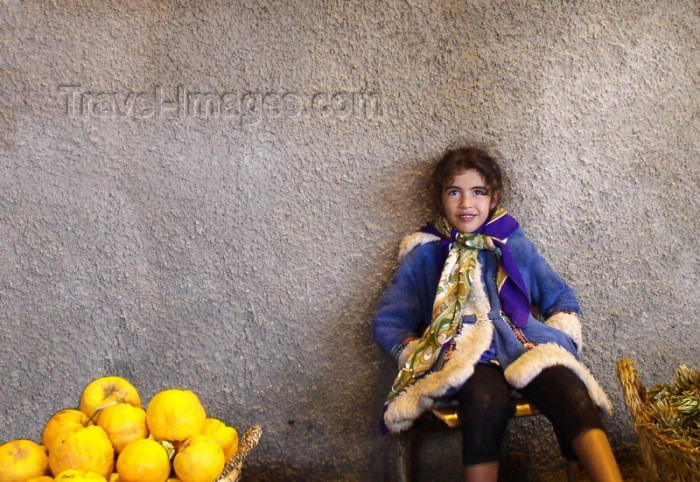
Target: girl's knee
[569,386]
[486,394]
[561,380]
[485,405]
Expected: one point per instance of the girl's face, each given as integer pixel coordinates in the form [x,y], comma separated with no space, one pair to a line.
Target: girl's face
[467,201]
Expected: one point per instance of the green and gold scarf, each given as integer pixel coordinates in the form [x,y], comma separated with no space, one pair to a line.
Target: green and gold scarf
[454,286]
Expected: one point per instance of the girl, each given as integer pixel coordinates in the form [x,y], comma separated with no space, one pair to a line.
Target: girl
[457,319]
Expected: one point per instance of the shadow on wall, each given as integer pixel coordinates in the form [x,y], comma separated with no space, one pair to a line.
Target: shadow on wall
[334,378]
[356,368]
[401,203]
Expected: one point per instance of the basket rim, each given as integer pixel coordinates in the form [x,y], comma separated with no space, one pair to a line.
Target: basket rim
[248,442]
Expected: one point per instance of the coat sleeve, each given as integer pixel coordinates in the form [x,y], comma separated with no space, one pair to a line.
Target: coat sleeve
[404,310]
[552,296]
[548,291]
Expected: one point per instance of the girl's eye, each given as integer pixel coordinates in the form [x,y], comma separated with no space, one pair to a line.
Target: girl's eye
[480,192]
[452,192]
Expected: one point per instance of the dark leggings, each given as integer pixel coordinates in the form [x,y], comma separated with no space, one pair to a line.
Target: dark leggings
[485,408]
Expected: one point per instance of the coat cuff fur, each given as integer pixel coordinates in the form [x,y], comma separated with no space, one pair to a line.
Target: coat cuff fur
[569,323]
[405,351]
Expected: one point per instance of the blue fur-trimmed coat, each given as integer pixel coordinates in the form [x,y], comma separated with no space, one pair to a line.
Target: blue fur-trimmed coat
[405,311]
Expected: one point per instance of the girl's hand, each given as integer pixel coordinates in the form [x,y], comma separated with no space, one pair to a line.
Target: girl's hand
[410,347]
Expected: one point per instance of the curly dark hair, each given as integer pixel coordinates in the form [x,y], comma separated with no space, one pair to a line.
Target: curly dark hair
[462,159]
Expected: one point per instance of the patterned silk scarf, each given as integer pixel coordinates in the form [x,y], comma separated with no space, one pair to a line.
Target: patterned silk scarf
[455,284]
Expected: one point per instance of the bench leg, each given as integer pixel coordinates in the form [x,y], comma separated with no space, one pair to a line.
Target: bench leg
[570,474]
[405,442]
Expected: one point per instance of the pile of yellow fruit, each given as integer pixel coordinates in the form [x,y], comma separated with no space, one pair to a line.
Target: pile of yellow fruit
[111,438]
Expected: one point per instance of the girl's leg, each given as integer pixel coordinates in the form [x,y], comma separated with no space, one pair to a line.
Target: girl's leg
[563,398]
[485,408]
[486,472]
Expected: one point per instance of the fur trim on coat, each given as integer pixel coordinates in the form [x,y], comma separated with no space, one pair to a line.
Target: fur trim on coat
[412,240]
[570,324]
[471,341]
[531,363]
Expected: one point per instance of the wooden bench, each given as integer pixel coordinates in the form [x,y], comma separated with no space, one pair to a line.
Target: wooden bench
[448,413]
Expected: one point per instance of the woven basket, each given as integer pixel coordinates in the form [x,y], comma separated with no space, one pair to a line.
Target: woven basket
[232,469]
[666,459]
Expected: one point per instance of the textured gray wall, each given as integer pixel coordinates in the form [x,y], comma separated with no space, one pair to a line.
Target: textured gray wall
[241,254]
